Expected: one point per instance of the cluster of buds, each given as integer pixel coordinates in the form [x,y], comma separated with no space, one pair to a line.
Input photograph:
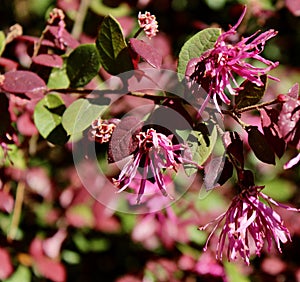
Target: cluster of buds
[101,130]
[148,23]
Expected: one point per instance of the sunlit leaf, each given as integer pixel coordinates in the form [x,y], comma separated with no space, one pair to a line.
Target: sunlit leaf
[47,118]
[2,42]
[80,115]
[195,46]
[113,50]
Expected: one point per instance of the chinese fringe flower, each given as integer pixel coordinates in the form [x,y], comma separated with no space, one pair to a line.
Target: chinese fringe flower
[101,130]
[155,152]
[214,70]
[248,220]
[148,23]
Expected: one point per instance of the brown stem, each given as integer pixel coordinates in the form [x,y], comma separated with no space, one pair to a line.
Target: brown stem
[258,106]
[80,16]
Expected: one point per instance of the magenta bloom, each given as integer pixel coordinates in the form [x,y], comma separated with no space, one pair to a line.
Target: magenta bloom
[155,152]
[215,69]
[247,221]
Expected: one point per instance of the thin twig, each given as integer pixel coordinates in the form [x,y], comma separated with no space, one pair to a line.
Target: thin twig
[258,106]
[80,16]
[12,232]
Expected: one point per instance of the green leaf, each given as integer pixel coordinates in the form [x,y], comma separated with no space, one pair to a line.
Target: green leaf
[251,94]
[195,46]
[58,78]
[234,274]
[2,42]
[280,190]
[80,115]
[200,146]
[99,8]
[113,50]
[21,274]
[47,118]
[83,65]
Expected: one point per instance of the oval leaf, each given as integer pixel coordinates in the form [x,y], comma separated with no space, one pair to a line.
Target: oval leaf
[23,82]
[200,147]
[251,94]
[80,115]
[147,52]
[47,118]
[260,146]
[2,42]
[195,46]
[83,65]
[113,50]
[48,60]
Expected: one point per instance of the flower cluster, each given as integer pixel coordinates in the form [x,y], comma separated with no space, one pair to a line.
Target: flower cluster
[148,23]
[214,70]
[155,152]
[101,130]
[249,220]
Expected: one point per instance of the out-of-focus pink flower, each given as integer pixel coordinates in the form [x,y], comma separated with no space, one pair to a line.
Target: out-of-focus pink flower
[249,220]
[214,70]
[6,267]
[148,23]
[155,152]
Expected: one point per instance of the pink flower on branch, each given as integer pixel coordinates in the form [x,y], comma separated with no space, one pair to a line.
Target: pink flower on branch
[155,153]
[216,68]
[247,221]
[148,23]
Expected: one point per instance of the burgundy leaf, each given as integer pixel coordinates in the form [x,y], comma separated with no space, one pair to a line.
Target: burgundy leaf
[246,178]
[48,60]
[293,6]
[23,82]
[34,40]
[271,131]
[213,171]
[8,65]
[6,202]
[25,125]
[258,143]
[147,52]
[50,269]
[289,118]
[6,268]
[234,146]
[68,39]
[123,141]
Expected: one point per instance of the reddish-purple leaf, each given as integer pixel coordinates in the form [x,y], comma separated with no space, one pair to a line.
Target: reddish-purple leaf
[48,60]
[271,131]
[234,146]
[147,52]
[258,143]
[6,202]
[8,65]
[123,141]
[51,269]
[25,125]
[66,37]
[6,268]
[293,6]
[23,82]
[289,118]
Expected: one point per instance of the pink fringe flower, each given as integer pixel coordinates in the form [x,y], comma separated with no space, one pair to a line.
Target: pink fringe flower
[155,152]
[214,70]
[249,220]
[148,23]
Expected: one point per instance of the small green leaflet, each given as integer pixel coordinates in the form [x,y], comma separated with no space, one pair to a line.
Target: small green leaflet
[83,65]
[2,42]
[200,148]
[80,115]
[47,118]
[195,46]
